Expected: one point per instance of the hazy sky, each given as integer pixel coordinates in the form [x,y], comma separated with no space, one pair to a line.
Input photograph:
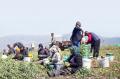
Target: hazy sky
[41,17]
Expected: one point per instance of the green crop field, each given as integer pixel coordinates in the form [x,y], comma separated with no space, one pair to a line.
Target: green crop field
[12,69]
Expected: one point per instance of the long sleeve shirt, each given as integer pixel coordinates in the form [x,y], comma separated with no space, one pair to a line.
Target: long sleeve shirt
[92,37]
[89,38]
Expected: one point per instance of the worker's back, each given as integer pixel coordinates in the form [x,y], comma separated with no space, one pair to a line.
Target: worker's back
[95,37]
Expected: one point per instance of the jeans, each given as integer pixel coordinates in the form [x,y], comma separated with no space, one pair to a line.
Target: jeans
[76,43]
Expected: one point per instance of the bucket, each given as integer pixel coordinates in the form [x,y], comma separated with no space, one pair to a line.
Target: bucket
[4,57]
[27,59]
[110,56]
[104,62]
[86,63]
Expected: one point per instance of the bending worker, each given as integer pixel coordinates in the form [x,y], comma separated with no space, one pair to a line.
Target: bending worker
[94,40]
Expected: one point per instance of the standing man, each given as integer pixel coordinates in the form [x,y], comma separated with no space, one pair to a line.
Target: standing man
[77,34]
[53,41]
[75,57]
[94,40]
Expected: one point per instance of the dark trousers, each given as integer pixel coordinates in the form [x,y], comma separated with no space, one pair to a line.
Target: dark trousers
[95,47]
[77,61]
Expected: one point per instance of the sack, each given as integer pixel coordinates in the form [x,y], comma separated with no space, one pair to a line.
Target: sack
[85,50]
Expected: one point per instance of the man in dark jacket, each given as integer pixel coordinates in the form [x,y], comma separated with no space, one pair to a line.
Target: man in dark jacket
[42,53]
[77,34]
[94,40]
[24,51]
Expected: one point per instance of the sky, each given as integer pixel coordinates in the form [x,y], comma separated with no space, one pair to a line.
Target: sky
[41,17]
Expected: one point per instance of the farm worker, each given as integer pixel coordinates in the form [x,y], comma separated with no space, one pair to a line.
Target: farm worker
[56,58]
[56,47]
[53,40]
[17,52]
[42,53]
[56,61]
[77,34]
[10,50]
[75,59]
[24,51]
[94,40]
[17,49]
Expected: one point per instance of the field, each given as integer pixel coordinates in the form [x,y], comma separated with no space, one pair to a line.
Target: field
[11,69]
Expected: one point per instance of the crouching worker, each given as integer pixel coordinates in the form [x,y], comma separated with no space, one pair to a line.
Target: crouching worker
[75,59]
[20,53]
[17,53]
[56,61]
[43,54]
[25,53]
[10,50]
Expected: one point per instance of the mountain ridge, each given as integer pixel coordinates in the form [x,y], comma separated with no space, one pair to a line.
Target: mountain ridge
[45,39]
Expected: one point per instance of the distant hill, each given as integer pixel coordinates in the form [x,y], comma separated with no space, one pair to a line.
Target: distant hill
[111,41]
[28,39]
[25,39]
